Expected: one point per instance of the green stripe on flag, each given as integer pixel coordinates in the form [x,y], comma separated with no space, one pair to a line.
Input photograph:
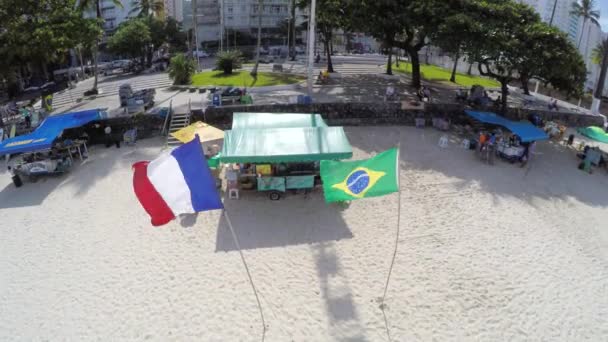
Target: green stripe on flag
[350,180]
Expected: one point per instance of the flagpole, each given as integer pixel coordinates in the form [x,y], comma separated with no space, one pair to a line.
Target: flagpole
[390,269]
[255,292]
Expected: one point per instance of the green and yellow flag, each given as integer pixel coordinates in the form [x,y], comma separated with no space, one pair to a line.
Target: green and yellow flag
[350,180]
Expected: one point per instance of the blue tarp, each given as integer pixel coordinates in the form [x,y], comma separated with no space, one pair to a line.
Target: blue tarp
[525,130]
[42,138]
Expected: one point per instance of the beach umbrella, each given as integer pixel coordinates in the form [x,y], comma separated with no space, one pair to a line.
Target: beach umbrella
[595,133]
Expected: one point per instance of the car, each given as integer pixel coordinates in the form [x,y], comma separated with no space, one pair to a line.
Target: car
[201,54]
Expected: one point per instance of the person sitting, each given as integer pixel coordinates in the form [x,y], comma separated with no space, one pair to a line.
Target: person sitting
[390,93]
[321,78]
[553,104]
[461,95]
[424,94]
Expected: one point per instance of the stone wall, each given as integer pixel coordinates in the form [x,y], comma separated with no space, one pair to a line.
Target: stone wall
[335,114]
[147,126]
[384,113]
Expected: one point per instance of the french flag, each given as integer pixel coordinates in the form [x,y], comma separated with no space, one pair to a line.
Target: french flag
[176,183]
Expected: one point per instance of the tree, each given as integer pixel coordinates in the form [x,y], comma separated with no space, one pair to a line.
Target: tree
[254,71]
[145,8]
[381,19]
[228,61]
[176,38]
[131,39]
[406,24]
[454,35]
[551,58]
[85,37]
[181,69]
[86,5]
[598,52]
[585,9]
[601,50]
[500,40]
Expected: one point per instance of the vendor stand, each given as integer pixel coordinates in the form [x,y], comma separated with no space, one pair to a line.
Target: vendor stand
[511,148]
[275,153]
[41,153]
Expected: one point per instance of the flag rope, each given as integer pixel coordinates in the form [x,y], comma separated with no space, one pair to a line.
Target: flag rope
[390,269]
[255,292]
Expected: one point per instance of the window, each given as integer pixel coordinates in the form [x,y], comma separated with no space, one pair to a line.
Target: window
[276,9]
[230,9]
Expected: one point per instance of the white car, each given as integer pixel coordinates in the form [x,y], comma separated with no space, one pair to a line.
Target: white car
[201,54]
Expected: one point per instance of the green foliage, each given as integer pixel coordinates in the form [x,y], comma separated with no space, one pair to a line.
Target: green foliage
[131,39]
[330,15]
[599,51]
[37,31]
[175,37]
[145,8]
[181,69]
[244,79]
[406,24]
[586,10]
[228,61]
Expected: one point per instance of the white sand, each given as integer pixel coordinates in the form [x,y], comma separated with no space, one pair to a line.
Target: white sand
[487,253]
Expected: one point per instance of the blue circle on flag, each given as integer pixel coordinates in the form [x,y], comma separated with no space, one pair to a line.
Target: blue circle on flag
[357,182]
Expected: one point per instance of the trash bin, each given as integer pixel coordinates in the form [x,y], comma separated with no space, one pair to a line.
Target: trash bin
[17,181]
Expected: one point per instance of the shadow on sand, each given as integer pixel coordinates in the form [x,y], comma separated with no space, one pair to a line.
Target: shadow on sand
[551,174]
[262,223]
[30,194]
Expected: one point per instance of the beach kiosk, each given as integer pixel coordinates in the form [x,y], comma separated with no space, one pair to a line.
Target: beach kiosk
[278,152]
[45,156]
[509,149]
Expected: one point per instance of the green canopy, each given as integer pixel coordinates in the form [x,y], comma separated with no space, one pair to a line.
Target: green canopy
[276,120]
[595,133]
[280,145]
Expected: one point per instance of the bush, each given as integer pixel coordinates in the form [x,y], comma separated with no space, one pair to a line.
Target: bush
[181,69]
[228,61]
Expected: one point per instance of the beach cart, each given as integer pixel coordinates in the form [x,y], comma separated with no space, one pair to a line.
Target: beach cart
[278,153]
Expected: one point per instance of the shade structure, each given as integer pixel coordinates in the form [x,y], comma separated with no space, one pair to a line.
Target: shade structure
[276,120]
[525,130]
[207,134]
[282,145]
[42,138]
[595,133]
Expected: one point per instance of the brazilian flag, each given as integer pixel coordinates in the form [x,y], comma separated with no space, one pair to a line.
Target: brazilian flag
[349,180]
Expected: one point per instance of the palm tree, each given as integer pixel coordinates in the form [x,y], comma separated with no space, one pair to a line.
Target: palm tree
[85,5]
[254,71]
[586,10]
[145,8]
[600,56]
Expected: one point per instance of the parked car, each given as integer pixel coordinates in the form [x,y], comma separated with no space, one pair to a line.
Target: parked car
[201,54]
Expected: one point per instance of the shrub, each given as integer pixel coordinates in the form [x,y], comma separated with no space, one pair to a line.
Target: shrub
[181,69]
[228,61]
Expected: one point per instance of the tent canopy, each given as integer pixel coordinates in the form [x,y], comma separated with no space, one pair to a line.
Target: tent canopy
[205,133]
[42,138]
[280,138]
[595,133]
[276,120]
[525,130]
[281,145]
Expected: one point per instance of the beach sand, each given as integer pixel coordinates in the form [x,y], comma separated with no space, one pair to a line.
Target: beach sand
[486,253]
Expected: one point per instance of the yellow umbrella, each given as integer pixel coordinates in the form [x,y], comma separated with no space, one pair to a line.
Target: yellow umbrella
[208,135]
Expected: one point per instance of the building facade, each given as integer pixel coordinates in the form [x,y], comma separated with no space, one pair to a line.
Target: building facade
[175,9]
[557,13]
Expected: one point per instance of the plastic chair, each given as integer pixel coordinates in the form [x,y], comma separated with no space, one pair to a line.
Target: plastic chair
[466,144]
[443,141]
[233,194]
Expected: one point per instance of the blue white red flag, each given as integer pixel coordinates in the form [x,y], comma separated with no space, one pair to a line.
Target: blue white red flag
[176,183]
